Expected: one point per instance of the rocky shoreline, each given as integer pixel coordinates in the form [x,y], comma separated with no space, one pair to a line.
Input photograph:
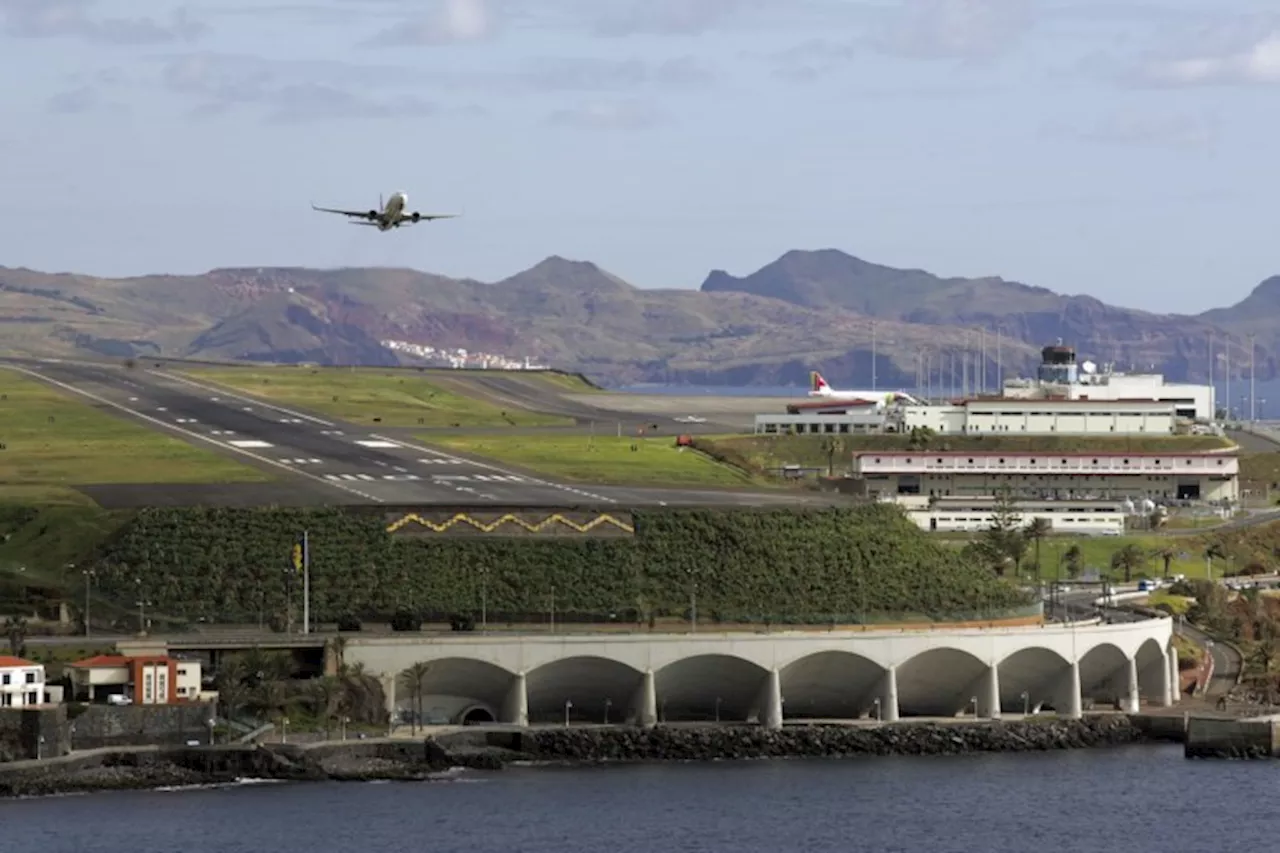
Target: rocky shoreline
[405,760]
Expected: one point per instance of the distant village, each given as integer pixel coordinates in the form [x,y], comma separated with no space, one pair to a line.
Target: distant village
[462,358]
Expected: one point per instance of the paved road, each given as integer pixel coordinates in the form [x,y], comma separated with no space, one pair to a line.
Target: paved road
[328,460]
[1227,663]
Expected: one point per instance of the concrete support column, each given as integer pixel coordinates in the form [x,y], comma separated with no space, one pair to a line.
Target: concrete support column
[515,707]
[771,701]
[1069,703]
[1165,689]
[646,703]
[1132,702]
[889,695]
[1175,679]
[989,694]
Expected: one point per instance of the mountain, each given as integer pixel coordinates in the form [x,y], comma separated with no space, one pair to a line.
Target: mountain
[806,310]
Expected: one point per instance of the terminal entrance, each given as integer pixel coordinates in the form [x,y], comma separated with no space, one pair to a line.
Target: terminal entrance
[1188,492]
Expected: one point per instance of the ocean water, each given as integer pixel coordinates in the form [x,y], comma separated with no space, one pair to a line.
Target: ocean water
[1145,799]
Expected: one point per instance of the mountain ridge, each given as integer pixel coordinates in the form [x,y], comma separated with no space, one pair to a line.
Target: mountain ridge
[809,309]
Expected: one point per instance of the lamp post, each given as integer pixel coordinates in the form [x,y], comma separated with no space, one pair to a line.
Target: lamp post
[211,723]
[876,703]
[717,709]
[1026,704]
[568,704]
[608,703]
[89,574]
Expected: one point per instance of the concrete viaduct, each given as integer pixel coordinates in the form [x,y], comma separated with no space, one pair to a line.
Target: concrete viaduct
[772,677]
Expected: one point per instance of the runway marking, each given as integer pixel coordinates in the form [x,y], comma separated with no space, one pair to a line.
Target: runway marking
[498,478]
[133,399]
[290,421]
[254,443]
[241,397]
[162,409]
[167,426]
[331,432]
[526,480]
[302,461]
[381,445]
[186,420]
[441,461]
[401,477]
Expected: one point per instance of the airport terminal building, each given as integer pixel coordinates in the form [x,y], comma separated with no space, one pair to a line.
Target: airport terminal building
[1161,477]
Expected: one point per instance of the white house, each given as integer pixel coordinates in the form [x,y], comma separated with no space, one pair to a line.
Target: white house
[21,683]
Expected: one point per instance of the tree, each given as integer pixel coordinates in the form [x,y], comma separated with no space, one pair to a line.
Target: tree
[16,631]
[1214,551]
[1036,530]
[832,446]
[1128,558]
[1004,541]
[414,680]
[327,693]
[1165,554]
[1073,558]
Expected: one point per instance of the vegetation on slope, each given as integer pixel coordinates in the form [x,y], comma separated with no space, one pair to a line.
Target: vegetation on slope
[371,396]
[810,566]
[606,460]
[53,442]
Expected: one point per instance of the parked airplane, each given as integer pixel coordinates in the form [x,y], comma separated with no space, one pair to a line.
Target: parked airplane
[388,216]
[818,387]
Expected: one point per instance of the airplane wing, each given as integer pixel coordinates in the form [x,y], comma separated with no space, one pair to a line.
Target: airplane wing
[427,217]
[363,214]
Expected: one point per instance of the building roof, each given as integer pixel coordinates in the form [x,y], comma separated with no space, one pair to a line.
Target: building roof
[10,662]
[103,661]
[1056,454]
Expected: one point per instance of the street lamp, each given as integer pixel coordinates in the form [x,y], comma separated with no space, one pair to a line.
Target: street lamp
[717,709]
[284,729]
[876,702]
[211,723]
[974,700]
[608,703]
[1026,704]
[88,575]
[568,703]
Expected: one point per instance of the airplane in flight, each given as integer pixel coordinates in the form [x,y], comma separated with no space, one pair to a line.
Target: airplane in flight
[390,215]
[818,387]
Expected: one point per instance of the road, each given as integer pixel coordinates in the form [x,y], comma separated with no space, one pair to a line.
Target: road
[1227,662]
[326,461]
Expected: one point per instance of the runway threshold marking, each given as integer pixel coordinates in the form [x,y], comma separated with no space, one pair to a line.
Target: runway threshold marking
[175,428]
[254,400]
[533,481]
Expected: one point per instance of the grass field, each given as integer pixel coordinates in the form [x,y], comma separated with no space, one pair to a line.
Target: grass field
[1258,473]
[763,453]
[54,442]
[371,395]
[604,460]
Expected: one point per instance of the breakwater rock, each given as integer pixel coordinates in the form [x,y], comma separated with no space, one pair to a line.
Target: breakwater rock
[704,743]
[417,759]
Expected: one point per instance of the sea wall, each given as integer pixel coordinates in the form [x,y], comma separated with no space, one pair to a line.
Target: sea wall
[33,733]
[1224,738]
[97,726]
[402,759]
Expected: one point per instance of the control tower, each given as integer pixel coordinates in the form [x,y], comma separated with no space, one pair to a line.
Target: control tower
[1058,365]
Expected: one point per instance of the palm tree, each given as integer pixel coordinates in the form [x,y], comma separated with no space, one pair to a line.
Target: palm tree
[327,693]
[1036,530]
[1073,558]
[1214,551]
[414,680]
[1165,554]
[1128,558]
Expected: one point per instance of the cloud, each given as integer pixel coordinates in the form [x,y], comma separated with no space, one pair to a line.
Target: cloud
[811,59]
[971,30]
[286,91]
[73,19]
[587,74]
[1171,131]
[1236,59]
[615,115]
[452,22]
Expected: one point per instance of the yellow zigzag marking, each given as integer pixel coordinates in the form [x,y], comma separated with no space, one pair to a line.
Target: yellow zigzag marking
[489,527]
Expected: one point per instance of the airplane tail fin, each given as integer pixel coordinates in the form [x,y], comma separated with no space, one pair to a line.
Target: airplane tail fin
[816,382]
[381,206]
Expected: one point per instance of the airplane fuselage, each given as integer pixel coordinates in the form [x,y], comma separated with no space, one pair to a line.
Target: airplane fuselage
[392,213]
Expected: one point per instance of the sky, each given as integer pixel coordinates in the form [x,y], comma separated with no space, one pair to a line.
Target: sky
[1119,149]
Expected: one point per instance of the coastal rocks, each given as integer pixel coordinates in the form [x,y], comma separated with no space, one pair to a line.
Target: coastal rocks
[824,741]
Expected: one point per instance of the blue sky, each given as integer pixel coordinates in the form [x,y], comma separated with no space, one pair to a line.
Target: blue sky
[1124,150]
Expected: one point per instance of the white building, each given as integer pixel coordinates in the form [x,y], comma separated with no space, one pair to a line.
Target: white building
[1208,477]
[1059,376]
[21,683]
[972,514]
[1007,416]
[150,680]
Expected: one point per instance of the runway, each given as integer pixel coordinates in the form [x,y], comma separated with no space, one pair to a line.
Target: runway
[325,461]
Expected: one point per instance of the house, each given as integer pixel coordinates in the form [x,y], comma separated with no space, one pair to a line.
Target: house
[21,683]
[147,680]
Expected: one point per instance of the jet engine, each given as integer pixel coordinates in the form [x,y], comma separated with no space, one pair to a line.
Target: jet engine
[416,216]
[373,214]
